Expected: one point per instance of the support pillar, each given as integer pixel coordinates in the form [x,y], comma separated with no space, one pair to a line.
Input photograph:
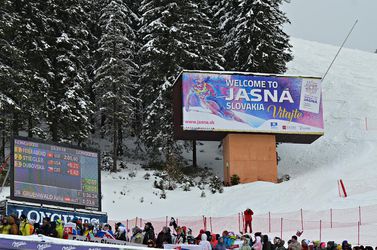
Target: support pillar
[250,156]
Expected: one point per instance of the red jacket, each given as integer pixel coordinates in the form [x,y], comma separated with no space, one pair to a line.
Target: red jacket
[248,215]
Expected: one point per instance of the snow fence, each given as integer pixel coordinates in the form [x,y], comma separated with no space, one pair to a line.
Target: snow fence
[357,225]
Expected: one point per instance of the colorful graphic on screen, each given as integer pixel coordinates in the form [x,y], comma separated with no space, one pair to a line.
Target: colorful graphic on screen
[252,103]
[46,172]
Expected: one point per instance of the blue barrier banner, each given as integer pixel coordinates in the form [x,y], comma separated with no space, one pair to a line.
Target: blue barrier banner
[38,213]
[32,245]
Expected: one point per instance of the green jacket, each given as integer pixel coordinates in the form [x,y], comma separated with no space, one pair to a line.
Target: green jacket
[26,228]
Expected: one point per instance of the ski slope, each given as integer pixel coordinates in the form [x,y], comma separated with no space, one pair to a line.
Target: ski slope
[348,150]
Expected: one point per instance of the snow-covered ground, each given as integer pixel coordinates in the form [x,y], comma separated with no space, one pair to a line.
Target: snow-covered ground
[347,151]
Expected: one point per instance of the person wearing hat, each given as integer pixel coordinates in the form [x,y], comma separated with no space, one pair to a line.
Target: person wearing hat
[346,245]
[25,227]
[148,233]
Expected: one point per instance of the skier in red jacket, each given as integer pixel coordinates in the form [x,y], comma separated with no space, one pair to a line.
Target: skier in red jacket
[248,216]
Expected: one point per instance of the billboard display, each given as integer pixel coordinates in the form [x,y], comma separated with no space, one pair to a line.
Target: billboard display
[236,102]
[50,173]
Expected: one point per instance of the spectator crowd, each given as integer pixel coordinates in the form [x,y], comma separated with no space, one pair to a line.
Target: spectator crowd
[174,234]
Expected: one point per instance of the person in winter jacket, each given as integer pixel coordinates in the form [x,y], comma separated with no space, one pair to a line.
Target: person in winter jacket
[148,233]
[346,245]
[59,228]
[227,240]
[305,244]
[120,231]
[245,243]
[279,244]
[331,245]
[164,237]
[180,236]
[47,229]
[220,244]
[25,227]
[5,227]
[204,243]
[190,238]
[87,230]
[257,244]
[248,217]
[137,235]
[199,237]
[294,245]
[322,245]
[105,232]
[266,244]
[12,220]
[213,240]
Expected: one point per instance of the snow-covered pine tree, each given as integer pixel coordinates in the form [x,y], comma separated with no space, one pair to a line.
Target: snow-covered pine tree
[10,77]
[255,40]
[30,39]
[225,15]
[66,50]
[176,35]
[115,77]
[17,95]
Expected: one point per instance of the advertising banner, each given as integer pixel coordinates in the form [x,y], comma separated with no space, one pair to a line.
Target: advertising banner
[252,103]
[7,243]
[38,213]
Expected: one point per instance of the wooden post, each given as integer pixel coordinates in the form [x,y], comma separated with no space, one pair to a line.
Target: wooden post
[358,233]
[194,164]
[360,215]
[331,217]
[269,222]
[239,222]
[320,231]
[243,222]
[281,228]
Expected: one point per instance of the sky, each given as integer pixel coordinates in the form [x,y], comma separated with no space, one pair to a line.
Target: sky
[329,21]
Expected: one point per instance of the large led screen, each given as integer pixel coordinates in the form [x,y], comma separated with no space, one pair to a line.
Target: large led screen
[55,174]
[251,103]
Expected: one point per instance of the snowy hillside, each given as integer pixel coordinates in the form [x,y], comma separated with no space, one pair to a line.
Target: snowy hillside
[347,150]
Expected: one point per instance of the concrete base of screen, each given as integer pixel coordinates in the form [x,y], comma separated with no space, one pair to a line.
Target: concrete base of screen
[250,156]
